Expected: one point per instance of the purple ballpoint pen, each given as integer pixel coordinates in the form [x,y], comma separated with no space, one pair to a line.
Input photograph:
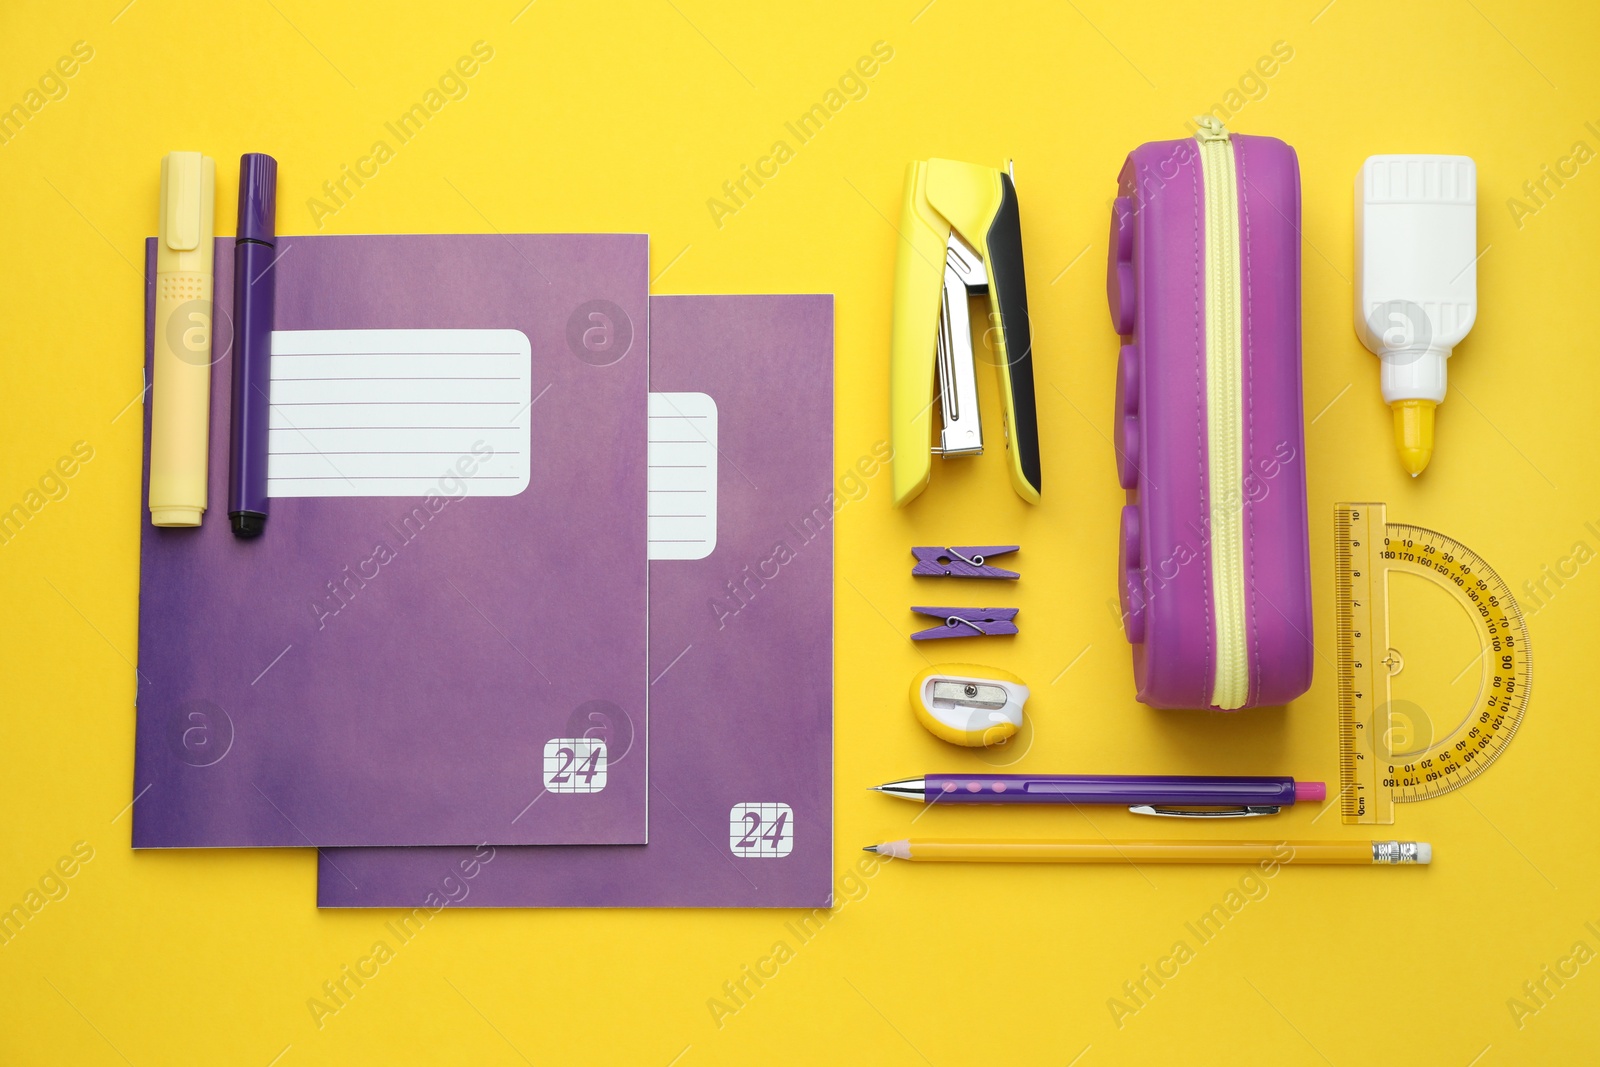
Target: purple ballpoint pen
[254,255]
[1144,794]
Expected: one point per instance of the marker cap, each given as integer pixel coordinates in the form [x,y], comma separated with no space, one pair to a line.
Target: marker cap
[258,198]
[184,228]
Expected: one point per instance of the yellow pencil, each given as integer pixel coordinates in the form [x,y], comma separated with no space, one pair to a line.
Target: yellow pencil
[1104,851]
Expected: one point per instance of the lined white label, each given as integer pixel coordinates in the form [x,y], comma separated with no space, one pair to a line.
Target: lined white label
[399,413]
[683,475]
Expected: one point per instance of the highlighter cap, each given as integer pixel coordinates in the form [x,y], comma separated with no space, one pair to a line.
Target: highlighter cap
[188,183]
[258,198]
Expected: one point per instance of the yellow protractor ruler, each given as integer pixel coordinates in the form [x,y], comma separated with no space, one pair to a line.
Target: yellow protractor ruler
[1429,695]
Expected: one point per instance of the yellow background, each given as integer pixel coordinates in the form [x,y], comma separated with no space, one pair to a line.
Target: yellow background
[630,118]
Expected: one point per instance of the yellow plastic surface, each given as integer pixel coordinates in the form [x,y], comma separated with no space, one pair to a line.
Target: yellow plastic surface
[913,374]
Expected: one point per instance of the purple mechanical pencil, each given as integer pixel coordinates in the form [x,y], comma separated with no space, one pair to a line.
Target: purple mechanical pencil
[254,254]
[1177,795]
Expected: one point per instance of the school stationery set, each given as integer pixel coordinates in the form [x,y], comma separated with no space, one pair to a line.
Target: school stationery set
[1203,283]
[475,592]
[496,615]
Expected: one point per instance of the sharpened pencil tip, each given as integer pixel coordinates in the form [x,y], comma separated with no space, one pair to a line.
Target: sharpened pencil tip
[869,848]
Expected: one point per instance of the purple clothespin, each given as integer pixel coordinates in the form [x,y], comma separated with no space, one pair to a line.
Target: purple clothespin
[967,622]
[962,561]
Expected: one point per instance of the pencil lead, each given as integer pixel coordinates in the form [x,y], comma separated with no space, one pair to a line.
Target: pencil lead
[869,848]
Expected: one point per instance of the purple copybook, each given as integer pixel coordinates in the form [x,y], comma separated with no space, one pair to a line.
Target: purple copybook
[454,576]
[741,653]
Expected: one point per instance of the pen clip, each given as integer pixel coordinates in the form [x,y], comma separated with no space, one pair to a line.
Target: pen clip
[1225,813]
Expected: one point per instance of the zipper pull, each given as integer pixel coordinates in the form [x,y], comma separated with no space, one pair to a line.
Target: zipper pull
[1210,129]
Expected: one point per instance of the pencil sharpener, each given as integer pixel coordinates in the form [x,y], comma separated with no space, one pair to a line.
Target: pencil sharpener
[967,704]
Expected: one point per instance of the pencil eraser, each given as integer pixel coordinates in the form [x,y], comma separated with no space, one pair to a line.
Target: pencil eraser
[1424,852]
[1304,791]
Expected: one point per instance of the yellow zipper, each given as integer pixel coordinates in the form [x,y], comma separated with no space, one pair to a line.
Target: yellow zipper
[1224,413]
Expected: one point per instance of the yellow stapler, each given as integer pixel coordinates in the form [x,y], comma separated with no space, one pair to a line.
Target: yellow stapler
[961,236]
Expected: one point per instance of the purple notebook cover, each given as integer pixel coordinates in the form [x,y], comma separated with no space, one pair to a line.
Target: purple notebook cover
[742,702]
[419,713]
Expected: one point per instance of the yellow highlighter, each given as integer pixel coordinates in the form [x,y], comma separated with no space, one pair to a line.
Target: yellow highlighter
[180,417]
[961,235]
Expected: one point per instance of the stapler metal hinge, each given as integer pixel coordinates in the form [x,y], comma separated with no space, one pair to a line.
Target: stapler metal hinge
[964,276]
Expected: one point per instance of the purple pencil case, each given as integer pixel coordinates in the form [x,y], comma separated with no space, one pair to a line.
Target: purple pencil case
[1203,280]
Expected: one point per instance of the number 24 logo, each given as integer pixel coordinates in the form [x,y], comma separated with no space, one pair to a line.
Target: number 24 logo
[587,769]
[761,830]
[752,830]
[575,765]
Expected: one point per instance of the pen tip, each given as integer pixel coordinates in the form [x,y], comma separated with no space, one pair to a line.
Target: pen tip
[869,848]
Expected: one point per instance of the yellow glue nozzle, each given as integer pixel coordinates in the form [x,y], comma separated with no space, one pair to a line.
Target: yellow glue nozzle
[1413,433]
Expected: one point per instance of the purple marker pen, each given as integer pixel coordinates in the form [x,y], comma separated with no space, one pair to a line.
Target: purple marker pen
[254,254]
[1145,794]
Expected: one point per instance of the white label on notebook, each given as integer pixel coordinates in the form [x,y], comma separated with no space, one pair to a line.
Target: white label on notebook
[683,475]
[575,765]
[761,831]
[399,413]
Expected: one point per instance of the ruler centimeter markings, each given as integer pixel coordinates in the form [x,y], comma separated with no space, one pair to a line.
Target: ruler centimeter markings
[1373,775]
